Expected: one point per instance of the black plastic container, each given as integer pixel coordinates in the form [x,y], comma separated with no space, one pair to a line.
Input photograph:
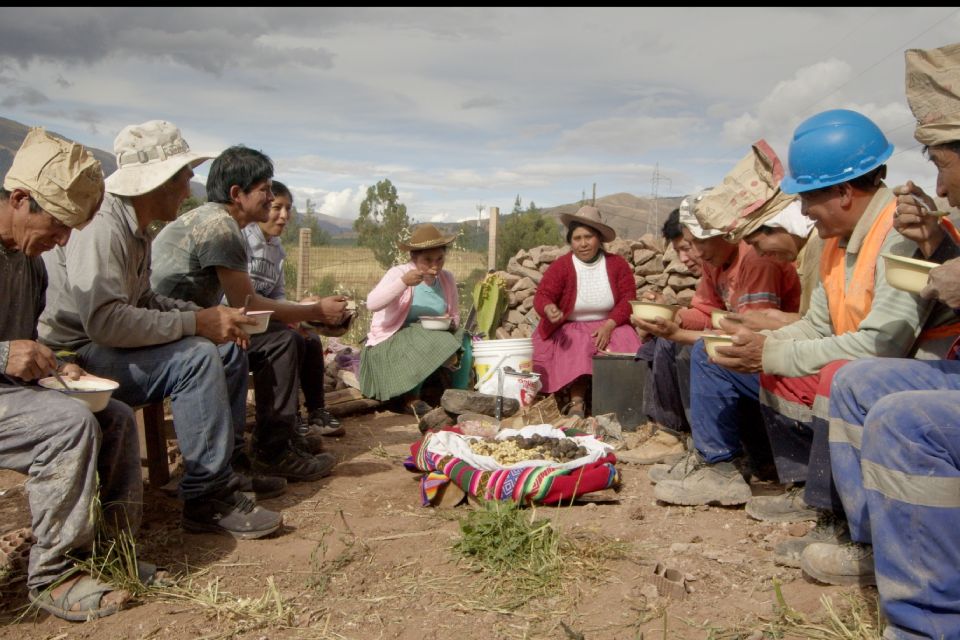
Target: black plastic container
[618,382]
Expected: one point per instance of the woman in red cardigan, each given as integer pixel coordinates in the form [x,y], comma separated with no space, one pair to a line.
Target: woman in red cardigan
[584,306]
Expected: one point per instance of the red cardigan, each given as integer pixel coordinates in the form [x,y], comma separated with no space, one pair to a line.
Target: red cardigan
[559,286]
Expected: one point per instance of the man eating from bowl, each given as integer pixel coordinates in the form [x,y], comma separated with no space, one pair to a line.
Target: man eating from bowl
[53,187]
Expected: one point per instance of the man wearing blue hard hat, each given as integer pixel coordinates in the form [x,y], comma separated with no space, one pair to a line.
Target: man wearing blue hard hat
[894,431]
[836,166]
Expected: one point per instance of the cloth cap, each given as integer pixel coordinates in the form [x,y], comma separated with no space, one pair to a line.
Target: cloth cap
[590,216]
[426,236]
[63,177]
[148,155]
[791,220]
[933,93]
[689,220]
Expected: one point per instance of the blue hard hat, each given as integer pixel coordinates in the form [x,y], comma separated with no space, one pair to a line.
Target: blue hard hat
[833,147]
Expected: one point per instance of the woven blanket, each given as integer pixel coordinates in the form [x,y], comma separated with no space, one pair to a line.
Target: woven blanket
[537,484]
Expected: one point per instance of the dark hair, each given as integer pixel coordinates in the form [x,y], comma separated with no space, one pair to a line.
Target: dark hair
[415,252]
[280,189]
[34,205]
[871,180]
[950,146]
[574,224]
[239,166]
[672,227]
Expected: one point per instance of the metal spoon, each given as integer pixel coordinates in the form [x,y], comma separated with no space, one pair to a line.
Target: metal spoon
[60,379]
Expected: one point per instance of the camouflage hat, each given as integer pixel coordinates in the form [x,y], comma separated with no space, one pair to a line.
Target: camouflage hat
[63,177]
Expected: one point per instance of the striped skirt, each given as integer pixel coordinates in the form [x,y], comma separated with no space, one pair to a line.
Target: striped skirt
[404,360]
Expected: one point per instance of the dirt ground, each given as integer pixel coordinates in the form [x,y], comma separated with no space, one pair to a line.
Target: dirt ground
[360,558]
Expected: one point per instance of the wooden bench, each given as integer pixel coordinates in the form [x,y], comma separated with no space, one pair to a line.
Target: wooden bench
[155,439]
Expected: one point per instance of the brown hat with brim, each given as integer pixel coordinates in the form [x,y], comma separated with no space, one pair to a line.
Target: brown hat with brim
[590,216]
[426,236]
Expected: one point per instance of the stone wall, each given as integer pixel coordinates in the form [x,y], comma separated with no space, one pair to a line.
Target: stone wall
[654,269]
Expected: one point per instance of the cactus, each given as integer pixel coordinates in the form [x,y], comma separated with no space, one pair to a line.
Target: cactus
[490,301]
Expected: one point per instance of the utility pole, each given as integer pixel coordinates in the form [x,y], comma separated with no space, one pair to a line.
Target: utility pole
[654,189]
[594,201]
[480,209]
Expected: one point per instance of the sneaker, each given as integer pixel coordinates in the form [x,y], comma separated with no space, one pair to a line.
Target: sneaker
[295,464]
[255,485]
[786,507]
[840,564]
[720,483]
[308,437]
[260,487]
[326,422]
[230,512]
[829,528]
[660,447]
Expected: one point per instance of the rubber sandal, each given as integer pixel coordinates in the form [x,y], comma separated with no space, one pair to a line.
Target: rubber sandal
[568,409]
[85,593]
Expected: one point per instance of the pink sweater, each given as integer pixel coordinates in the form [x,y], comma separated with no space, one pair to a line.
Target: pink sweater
[390,302]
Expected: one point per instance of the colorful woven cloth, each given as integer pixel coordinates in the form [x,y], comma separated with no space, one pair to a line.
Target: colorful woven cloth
[526,485]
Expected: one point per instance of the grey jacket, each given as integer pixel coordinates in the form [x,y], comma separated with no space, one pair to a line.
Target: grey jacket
[99,288]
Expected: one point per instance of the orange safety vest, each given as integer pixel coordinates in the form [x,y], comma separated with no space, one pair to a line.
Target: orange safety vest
[849,306]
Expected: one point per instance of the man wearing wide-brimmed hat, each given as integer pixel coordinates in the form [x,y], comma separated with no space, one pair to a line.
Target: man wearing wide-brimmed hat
[894,427]
[53,187]
[584,306]
[100,306]
[400,353]
[202,257]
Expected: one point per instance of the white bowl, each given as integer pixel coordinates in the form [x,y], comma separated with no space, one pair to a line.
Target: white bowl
[716,316]
[646,310]
[712,340]
[436,323]
[90,390]
[907,274]
[262,318]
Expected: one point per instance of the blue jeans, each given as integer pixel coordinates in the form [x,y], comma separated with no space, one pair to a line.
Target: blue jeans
[207,386]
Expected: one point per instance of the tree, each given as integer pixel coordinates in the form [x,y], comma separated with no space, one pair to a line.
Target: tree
[318,235]
[525,230]
[382,221]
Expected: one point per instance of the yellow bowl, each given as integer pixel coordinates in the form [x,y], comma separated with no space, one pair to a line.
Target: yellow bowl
[907,274]
[716,316]
[711,341]
[646,310]
[89,390]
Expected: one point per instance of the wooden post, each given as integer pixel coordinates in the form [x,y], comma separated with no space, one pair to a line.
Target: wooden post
[303,263]
[594,201]
[492,242]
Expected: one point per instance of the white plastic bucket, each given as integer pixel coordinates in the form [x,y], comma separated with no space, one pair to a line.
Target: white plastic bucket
[489,356]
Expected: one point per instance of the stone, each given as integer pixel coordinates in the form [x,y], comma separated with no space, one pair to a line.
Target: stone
[653,266]
[643,255]
[435,420]
[678,281]
[659,279]
[457,401]
[533,274]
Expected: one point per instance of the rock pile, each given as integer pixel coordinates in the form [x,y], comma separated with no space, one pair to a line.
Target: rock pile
[654,269]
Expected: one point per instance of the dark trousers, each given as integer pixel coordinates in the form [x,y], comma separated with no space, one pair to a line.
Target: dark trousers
[275,363]
[310,352]
[666,393]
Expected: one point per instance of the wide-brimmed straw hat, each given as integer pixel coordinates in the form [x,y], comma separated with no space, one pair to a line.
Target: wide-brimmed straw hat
[426,236]
[148,155]
[590,216]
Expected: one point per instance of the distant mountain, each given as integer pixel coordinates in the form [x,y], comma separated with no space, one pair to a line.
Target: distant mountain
[631,216]
[12,134]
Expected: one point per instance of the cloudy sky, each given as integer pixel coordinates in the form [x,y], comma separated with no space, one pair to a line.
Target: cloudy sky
[469,107]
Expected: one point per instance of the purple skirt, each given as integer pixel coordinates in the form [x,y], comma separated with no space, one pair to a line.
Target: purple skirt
[568,353]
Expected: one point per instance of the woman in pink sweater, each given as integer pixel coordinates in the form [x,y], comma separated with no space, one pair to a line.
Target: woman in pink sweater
[584,306]
[399,353]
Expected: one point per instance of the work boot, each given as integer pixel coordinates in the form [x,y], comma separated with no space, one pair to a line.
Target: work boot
[230,512]
[720,483]
[678,470]
[840,564]
[326,422]
[660,447]
[830,528]
[294,463]
[786,507]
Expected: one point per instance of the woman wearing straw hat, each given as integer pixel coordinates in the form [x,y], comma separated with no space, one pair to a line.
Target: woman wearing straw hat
[400,353]
[584,306]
